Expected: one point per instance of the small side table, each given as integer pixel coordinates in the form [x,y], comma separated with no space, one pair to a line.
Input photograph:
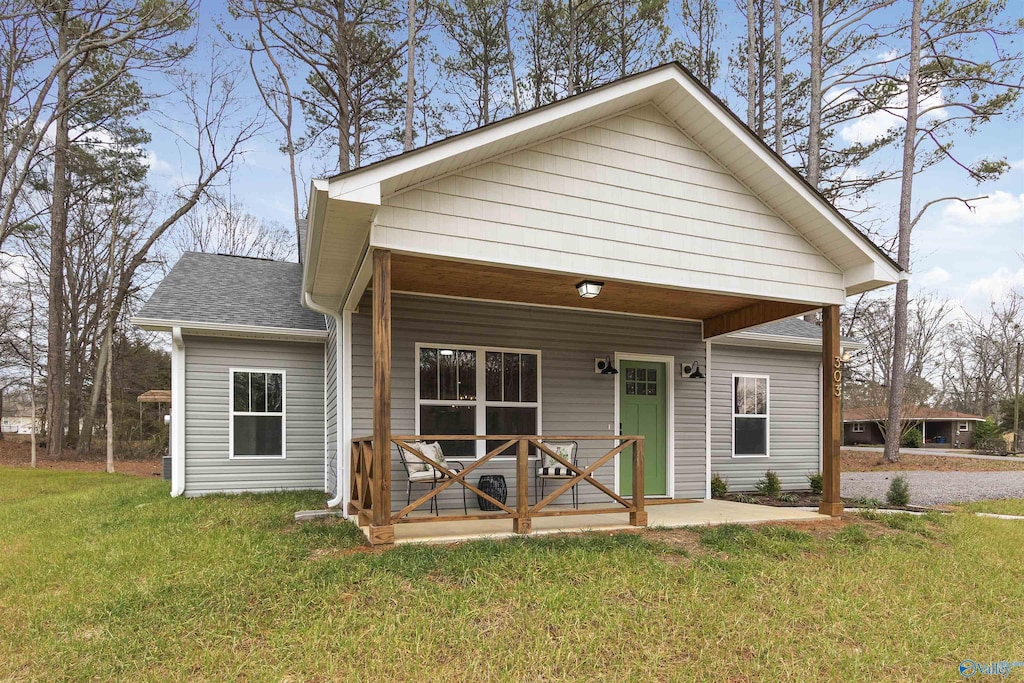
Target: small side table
[494,486]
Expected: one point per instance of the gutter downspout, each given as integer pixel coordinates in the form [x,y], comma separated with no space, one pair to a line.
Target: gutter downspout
[177,412]
[341,487]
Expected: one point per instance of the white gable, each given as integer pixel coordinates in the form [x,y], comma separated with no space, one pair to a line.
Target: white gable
[630,197]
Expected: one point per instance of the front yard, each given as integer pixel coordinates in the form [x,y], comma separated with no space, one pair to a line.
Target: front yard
[105,576]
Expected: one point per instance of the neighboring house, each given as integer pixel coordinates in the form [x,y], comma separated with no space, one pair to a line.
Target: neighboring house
[940,428]
[451,290]
[17,423]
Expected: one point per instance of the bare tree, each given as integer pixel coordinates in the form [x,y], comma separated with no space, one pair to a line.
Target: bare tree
[699,49]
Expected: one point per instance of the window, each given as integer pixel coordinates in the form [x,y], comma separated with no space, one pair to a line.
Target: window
[750,416]
[963,427]
[477,391]
[858,428]
[257,414]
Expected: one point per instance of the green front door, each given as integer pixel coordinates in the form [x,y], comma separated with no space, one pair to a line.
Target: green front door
[642,411]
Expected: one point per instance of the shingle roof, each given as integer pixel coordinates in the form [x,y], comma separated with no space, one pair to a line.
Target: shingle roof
[215,288]
[793,327]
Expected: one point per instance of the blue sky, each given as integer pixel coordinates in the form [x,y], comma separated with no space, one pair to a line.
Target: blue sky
[971,257]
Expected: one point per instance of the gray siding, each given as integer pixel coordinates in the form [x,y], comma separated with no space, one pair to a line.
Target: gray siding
[207,465]
[794,414]
[331,407]
[575,400]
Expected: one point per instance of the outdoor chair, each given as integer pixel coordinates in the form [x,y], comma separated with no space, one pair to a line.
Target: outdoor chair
[419,472]
[551,469]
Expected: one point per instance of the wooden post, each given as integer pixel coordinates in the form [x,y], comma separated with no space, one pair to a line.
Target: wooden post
[832,382]
[638,517]
[522,524]
[381,530]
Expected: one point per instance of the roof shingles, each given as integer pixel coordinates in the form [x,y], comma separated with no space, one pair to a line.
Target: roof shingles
[215,288]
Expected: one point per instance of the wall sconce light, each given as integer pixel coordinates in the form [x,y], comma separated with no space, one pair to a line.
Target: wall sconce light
[588,289]
[604,366]
[693,371]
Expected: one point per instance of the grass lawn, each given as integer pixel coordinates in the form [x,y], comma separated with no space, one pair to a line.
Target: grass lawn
[1012,506]
[107,577]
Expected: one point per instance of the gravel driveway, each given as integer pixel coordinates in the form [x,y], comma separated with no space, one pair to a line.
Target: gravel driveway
[936,488]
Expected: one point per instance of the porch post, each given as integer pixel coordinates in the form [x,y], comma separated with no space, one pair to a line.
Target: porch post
[832,376]
[639,515]
[522,524]
[381,530]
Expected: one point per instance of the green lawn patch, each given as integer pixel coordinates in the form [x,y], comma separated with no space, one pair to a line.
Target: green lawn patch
[107,577]
[1008,506]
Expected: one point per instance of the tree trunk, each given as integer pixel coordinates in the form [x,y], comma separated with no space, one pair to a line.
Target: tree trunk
[89,417]
[109,371]
[777,29]
[751,69]
[897,382]
[511,58]
[814,115]
[340,39]
[32,370]
[55,364]
[411,76]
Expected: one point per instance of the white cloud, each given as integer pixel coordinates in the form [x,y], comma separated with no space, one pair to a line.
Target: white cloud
[1000,210]
[155,163]
[993,287]
[936,276]
[869,128]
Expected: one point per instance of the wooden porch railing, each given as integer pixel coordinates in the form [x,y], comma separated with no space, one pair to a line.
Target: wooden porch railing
[364,480]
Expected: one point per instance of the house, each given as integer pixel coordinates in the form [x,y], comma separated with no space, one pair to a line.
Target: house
[941,428]
[608,270]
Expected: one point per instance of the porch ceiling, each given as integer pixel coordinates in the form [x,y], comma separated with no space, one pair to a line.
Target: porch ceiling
[421,275]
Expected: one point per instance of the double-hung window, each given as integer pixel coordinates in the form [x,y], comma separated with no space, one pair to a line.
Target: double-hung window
[963,427]
[750,415]
[472,390]
[858,428]
[257,414]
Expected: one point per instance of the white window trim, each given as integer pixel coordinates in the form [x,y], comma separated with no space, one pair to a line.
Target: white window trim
[963,427]
[480,402]
[232,414]
[767,415]
[857,428]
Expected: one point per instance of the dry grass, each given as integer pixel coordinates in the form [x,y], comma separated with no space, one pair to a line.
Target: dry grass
[106,577]
[860,461]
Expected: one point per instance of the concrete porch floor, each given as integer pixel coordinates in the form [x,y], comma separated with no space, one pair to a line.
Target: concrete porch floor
[667,515]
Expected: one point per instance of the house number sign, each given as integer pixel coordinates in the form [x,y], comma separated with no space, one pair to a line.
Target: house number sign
[837,376]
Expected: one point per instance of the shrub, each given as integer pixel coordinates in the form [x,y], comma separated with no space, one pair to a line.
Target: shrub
[770,485]
[787,498]
[719,487]
[816,483]
[899,491]
[988,438]
[913,439]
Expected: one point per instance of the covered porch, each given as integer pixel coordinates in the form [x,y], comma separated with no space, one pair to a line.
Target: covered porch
[615,465]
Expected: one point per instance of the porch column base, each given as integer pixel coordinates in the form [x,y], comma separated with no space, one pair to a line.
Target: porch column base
[353,510]
[365,517]
[831,509]
[522,525]
[638,518]
[382,535]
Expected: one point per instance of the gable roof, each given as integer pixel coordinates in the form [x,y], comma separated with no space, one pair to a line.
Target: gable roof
[204,290]
[684,101]
[875,413]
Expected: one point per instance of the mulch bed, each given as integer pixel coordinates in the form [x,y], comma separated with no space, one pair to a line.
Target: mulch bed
[808,499]
[862,461]
[15,451]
